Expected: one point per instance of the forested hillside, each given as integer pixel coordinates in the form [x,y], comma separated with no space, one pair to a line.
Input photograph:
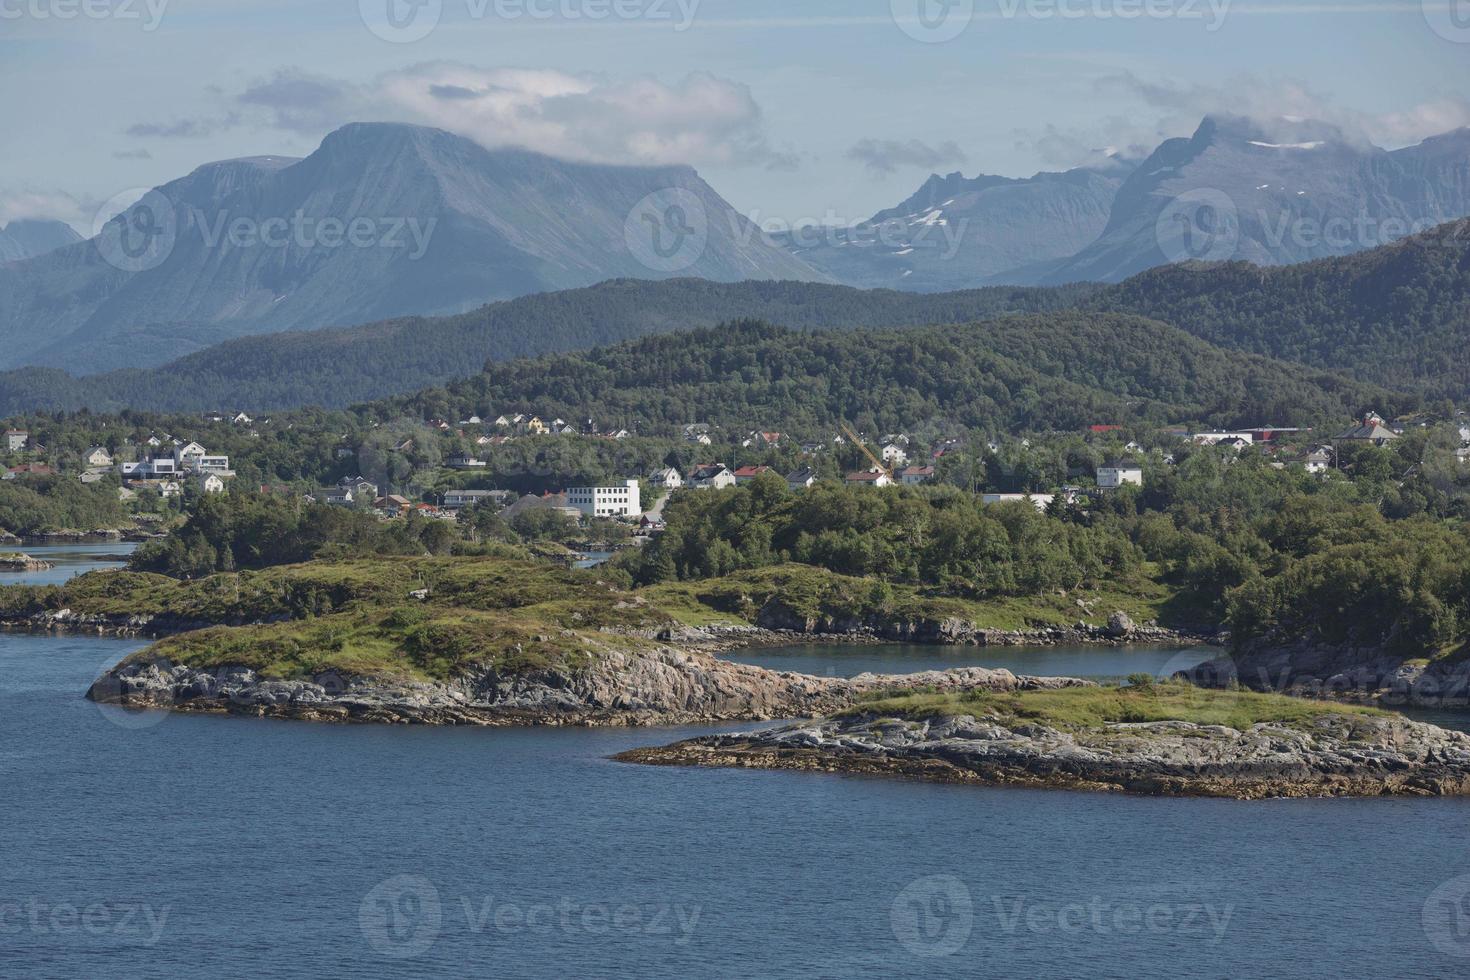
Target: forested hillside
[1057,371]
[1397,316]
[338,367]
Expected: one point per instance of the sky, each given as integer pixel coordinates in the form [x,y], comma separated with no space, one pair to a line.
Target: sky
[795,111]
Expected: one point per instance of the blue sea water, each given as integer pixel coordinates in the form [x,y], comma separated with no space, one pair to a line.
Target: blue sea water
[68,560]
[144,845]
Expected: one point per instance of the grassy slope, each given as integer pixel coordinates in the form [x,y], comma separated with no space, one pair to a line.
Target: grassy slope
[1075,709]
[736,598]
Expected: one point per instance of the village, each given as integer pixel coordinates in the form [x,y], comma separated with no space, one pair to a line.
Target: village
[162,471]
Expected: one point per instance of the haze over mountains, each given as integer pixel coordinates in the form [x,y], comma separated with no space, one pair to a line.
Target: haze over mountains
[1396,316]
[450,225]
[27,238]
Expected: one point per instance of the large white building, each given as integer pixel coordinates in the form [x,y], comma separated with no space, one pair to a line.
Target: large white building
[1116,472]
[618,501]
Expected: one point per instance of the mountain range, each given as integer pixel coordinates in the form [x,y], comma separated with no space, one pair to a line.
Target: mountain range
[28,238]
[1397,316]
[267,244]
[385,221]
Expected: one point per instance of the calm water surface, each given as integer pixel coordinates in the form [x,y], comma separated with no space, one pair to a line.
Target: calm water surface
[155,846]
[68,560]
[1096,662]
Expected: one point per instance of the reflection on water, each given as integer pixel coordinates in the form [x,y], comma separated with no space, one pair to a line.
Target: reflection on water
[1094,662]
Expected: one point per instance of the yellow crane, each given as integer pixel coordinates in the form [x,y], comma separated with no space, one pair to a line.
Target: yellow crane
[866,451]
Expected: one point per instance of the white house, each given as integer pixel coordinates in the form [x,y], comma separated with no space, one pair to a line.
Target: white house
[915,475]
[668,478]
[210,483]
[464,461]
[616,501]
[712,476]
[340,496]
[1041,501]
[869,478]
[15,440]
[895,455]
[97,458]
[1213,438]
[1317,461]
[1114,473]
[460,499]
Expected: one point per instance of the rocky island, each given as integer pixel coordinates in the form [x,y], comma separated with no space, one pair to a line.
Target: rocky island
[21,562]
[1136,740]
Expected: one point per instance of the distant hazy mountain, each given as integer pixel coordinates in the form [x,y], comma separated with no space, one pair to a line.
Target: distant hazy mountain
[958,232]
[1271,194]
[338,367]
[417,221]
[26,239]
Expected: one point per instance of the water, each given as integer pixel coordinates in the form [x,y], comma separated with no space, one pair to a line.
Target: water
[69,560]
[224,847]
[593,559]
[1094,662]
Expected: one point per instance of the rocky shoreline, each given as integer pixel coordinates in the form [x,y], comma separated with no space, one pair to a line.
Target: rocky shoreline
[1337,756]
[662,686]
[1346,673]
[21,562]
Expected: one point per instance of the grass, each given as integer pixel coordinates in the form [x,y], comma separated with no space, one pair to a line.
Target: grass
[1083,708]
[817,593]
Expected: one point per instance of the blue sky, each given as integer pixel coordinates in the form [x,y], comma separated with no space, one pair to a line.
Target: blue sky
[794,110]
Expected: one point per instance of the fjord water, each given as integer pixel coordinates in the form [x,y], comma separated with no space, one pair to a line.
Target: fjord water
[142,844]
[68,560]
[151,845]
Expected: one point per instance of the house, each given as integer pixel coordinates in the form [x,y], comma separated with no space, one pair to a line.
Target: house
[338,496]
[712,476]
[344,452]
[1237,443]
[616,434]
[746,474]
[1041,501]
[211,483]
[360,488]
[1117,472]
[802,478]
[1215,438]
[1103,428]
[472,420]
[1318,460]
[668,478]
[914,475]
[92,476]
[501,422]
[164,488]
[535,426]
[1371,429]
[894,454]
[460,499]
[464,461]
[1463,454]
[615,501]
[16,439]
[812,448]
[393,504]
[97,458]
[869,478]
[697,433]
[188,451]
[762,440]
[240,418]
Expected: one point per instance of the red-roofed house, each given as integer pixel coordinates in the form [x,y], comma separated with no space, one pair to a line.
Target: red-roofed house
[915,475]
[869,478]
[747,473]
